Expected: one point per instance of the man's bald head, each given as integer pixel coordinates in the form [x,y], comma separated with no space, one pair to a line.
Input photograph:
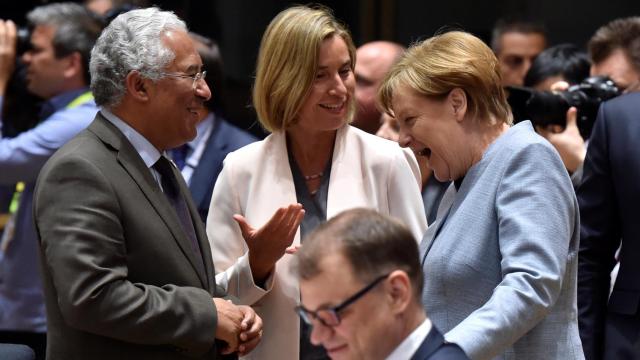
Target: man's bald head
[374,60]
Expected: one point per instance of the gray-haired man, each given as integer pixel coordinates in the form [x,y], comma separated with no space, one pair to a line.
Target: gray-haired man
[127,266]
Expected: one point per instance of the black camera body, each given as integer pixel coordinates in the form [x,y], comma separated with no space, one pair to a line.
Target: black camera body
[23,42]
[545,108]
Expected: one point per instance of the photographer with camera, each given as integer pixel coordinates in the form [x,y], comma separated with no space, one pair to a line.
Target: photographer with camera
[562,102]
[60,39]
[615,54]
[556,69]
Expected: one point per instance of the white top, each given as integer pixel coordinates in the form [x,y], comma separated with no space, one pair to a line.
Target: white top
[366,171]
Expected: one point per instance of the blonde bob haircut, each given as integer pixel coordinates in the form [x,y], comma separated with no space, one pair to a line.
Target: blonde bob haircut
[447,61]
[288,62]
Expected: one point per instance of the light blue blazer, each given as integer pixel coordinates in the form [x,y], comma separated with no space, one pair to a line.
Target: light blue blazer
[500,272]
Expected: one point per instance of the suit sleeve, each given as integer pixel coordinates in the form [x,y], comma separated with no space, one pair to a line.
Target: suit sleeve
[229,250]
[537,226]
[22,157]
[403,186]
[84,249]
[600,236]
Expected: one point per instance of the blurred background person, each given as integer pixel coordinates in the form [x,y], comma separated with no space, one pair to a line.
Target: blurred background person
[361,286]
[516,44]
[563,62]
[373,61]
[615,52]
[108,8]
[312,166]
[200,160]
[500,261]
[568,64]
[432,189]
[62,35]
[609,198]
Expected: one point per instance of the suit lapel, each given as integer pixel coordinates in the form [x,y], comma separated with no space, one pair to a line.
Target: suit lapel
[347,180]
[131,161]
[443,213]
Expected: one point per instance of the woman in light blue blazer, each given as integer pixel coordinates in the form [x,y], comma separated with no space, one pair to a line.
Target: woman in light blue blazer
[500,259]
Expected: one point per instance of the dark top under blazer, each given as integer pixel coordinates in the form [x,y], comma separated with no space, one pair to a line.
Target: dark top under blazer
[118,270]
[609,200]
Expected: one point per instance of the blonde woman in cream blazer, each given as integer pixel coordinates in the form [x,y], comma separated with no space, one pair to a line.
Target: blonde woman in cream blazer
[303,94]
[256,180]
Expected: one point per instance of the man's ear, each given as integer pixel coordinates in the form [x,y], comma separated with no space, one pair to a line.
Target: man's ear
[398,287]
[137,86]
[458,100]
[74,66]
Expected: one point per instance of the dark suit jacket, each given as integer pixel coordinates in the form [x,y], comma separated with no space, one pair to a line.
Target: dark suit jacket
[224,139]
[609,199]
[434,348]
[119,273]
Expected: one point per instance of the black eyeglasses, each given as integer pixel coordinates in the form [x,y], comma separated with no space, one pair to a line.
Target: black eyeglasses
[330,316]
[196,77]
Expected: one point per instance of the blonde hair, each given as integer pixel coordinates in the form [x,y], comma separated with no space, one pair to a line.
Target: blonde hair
[451,60]
[288,61]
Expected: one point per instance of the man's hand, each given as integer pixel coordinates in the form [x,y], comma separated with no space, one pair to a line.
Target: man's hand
[568,142]
[268,243]
[239,326]
[230,322]
[7,53]
[251,331]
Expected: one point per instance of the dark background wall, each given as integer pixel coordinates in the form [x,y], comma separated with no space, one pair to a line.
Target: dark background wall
[238,26]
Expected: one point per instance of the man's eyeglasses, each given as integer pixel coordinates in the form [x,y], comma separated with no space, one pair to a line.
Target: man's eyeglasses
[196,77]
[331,317]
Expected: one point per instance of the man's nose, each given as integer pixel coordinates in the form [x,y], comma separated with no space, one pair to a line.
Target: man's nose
[202,90]
[319,333]
[26,57]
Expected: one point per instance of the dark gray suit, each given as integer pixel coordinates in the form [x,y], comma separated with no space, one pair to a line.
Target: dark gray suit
[120,275]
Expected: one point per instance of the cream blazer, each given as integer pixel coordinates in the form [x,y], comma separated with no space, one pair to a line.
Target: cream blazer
[367,171]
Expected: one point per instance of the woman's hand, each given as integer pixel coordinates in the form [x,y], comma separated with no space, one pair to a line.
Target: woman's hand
[269,243]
